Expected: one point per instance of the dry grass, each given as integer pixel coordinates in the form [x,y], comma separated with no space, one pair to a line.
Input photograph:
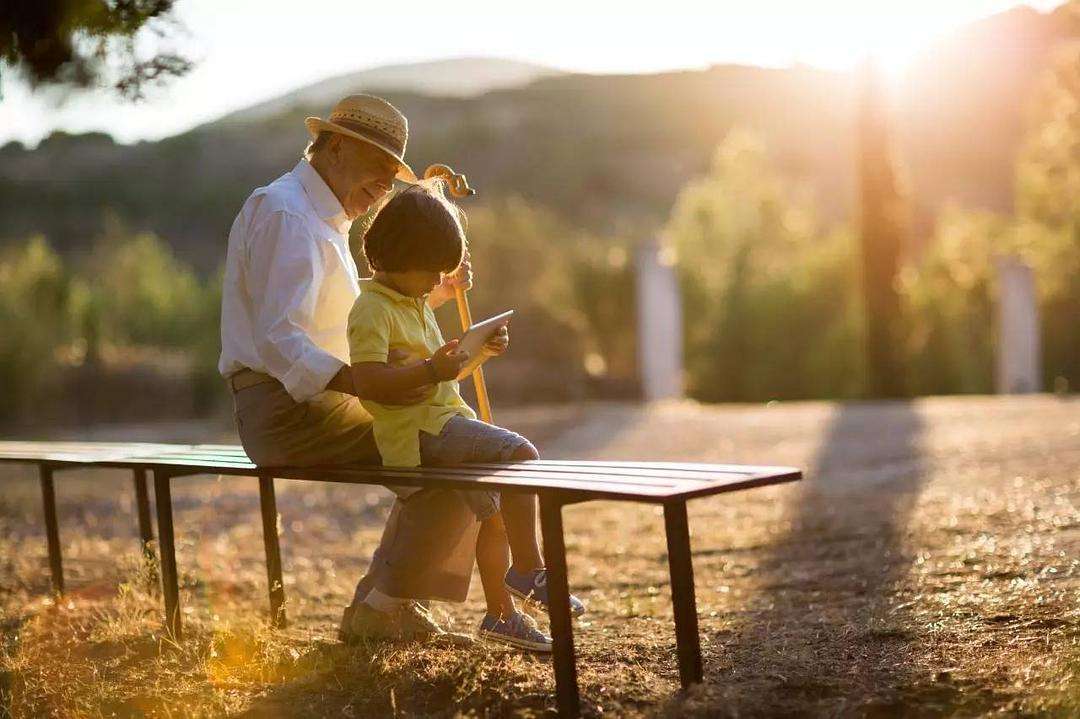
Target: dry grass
[929,565]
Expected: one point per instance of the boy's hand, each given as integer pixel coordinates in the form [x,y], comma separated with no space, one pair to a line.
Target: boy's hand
[498,342]
[448,361]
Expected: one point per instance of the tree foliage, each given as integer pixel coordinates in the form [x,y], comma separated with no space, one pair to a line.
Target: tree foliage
[132,301]
[86,43]
[769,298]
[1048,203]
[36,314]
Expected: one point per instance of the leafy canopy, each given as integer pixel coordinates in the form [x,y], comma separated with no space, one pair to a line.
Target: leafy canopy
[89,43]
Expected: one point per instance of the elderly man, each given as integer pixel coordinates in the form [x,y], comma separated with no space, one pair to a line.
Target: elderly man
[290,281]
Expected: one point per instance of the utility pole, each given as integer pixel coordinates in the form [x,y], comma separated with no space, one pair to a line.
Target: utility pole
[881,229]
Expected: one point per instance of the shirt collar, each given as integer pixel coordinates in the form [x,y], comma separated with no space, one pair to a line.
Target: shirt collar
[323,199]
[370,285]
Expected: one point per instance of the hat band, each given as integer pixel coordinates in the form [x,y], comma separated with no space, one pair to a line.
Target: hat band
[395,144]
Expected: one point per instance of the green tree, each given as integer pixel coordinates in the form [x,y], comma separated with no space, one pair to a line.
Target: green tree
[769,298]
[142,294]
[35,312]
[1048,204]
[949,298]
[83,43]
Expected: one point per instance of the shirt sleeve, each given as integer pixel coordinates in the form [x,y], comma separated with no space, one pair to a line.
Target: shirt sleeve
[369,331]
[287,269]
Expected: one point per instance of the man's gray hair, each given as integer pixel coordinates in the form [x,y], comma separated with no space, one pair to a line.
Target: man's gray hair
[315,146]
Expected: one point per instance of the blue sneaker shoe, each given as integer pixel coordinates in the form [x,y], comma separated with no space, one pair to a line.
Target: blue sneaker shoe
[518,630]
[532,587]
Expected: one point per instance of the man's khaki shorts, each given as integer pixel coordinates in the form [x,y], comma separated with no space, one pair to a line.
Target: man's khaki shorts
[276,430]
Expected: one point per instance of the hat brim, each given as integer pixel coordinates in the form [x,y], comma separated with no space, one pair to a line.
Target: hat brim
[315,125]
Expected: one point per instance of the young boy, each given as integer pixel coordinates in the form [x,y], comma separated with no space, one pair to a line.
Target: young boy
[413,240]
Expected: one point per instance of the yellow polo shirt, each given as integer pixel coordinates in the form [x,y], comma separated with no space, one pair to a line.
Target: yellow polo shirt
[381,320]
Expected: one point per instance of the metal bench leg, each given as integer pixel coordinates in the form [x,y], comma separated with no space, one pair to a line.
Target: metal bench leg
[682,593]
[268,504]
[142,508]
[551,526]
[52,528]
[169,581]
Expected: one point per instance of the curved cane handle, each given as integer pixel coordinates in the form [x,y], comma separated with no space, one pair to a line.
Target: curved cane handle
[459,186]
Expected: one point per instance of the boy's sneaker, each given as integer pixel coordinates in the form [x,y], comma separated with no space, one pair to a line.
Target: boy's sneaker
[518,630]
[532,587]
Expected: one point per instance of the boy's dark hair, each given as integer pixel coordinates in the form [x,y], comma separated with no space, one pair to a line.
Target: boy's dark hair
[418,229]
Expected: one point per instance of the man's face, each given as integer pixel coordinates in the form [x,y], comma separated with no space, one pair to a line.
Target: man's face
[363,172]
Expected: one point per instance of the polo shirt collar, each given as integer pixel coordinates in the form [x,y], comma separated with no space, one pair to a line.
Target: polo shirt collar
[370,285]
[323,199]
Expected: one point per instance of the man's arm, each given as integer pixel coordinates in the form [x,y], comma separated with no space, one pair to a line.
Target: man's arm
[343,382]
[286,271]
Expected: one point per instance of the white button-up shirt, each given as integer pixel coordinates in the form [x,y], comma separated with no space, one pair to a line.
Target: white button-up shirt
[290,282]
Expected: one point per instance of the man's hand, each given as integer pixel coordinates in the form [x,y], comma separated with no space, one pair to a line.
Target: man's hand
[498,342]
[461,277]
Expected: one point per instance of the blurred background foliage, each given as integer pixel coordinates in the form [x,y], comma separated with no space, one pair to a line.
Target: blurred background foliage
[87,340]
[769,295]
[100,314]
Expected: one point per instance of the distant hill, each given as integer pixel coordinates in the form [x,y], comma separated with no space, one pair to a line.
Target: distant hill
[606,152]
[456,77]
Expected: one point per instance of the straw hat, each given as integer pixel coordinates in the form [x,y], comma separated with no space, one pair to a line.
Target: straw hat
[372,120]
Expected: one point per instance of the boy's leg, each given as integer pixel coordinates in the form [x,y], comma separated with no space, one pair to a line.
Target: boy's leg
[520,513]
[493,559]
[465,440]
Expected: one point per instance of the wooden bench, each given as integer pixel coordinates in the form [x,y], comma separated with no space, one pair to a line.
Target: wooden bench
[557,483]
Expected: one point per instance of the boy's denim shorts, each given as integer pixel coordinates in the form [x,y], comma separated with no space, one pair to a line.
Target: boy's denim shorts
[464,440]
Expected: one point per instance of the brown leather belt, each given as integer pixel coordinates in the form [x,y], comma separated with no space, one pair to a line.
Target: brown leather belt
[248,378]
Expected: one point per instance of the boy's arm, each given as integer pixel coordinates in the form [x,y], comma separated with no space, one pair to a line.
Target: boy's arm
[343,382]
[381,383]
[377,379]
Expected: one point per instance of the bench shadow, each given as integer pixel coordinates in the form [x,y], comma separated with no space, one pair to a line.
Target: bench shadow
[826,632]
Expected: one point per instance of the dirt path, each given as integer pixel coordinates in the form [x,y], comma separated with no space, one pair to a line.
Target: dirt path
[928,565]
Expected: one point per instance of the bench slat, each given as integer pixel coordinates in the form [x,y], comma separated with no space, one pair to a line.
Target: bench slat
[628,473]
[641,481]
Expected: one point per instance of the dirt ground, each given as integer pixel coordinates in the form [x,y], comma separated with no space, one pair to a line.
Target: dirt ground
[929,565]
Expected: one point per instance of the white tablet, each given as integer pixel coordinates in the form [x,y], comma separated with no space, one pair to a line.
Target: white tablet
[472,342]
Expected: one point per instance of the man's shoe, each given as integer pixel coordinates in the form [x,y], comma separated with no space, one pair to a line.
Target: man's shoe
[408,621]
[415,614]
[518,630]
[532,587]
[361,621]
[416,622]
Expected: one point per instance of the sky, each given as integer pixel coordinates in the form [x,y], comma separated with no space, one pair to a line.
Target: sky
[252,50]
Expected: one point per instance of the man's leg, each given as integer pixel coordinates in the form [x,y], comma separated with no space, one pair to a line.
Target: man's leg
[333,428]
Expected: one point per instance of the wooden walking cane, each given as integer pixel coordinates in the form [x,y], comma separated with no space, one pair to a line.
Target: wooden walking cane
[459,187]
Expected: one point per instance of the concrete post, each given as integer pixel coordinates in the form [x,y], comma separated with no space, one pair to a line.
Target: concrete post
[659,323]
[1019,355]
